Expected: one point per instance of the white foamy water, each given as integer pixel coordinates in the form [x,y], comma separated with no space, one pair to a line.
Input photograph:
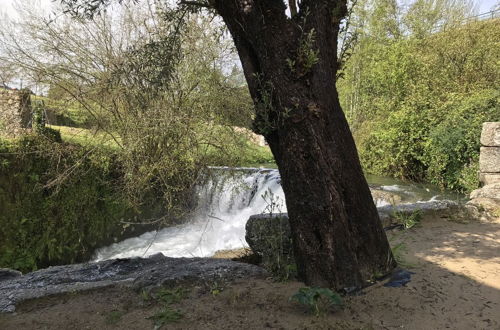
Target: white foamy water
[392,188]
[226,202]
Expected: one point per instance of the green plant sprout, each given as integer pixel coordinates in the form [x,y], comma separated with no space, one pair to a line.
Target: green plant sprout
[171,296]
[408,220]
[318,300]
[166,315]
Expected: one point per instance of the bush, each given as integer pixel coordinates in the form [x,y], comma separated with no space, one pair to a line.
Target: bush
[452,150]
[59,202]
[416,106]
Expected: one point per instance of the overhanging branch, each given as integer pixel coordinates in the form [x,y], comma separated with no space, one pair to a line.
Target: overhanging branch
[201,4]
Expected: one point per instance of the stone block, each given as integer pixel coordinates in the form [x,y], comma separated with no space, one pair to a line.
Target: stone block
[490,191]
[489,160]
[490,136]
[15,111]
[268,233]
[489,178]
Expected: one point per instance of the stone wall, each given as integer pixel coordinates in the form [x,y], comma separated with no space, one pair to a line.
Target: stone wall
[484,202]
[489,159]
[15,111]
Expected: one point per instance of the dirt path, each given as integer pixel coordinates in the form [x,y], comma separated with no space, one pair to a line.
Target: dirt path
[456,285]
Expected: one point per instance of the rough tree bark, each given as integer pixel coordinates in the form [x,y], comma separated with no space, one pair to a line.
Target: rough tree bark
[290,65]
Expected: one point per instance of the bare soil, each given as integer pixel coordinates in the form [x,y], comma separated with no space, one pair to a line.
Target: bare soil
[456,285]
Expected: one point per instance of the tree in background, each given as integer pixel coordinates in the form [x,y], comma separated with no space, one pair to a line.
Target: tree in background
[166,103]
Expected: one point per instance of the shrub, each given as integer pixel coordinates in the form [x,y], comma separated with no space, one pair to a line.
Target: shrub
[59,202]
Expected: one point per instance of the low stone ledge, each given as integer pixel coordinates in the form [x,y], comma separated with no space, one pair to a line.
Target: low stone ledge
[443,208]
[134,272]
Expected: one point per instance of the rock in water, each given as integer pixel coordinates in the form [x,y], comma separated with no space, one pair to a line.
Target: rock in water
[7,274]
[269,236]
[266,233]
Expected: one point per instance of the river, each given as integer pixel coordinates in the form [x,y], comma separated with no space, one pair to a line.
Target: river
[226,201]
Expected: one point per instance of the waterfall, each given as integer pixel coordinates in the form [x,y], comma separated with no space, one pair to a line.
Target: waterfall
[225,202]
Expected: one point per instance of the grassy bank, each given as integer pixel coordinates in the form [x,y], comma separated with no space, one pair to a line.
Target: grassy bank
[59,201]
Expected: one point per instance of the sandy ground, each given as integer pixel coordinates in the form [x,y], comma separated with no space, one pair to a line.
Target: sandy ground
[456,285]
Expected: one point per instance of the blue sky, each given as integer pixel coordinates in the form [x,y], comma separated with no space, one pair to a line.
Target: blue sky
[6,5]
[484,5]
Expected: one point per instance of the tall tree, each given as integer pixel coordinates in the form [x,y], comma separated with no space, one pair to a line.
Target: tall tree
[290,64]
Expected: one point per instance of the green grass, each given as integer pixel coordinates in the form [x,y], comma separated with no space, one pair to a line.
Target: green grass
[250,156]
[166,297]
[86,137]
[166,315]
[171,296]
[399,251]
[114,317]
[66,112]
[408,220]
[317,300]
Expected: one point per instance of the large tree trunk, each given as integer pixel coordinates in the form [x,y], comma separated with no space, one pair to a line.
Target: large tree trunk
[290,65]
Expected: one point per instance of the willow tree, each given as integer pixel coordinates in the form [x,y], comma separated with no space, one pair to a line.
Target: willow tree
[290,63]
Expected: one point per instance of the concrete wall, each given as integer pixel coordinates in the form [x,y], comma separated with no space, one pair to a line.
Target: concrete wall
[15,111]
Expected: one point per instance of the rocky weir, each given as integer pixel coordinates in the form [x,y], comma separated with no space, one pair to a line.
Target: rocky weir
[226,201]
[181,254]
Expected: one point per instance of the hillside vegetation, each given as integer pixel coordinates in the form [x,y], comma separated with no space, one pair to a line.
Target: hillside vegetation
[416,104]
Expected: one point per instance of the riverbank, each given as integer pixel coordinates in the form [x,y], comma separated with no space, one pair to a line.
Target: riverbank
[455,285]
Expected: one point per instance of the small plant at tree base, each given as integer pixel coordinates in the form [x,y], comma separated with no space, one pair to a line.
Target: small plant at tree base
[318,300]
[398,251]
[278,256]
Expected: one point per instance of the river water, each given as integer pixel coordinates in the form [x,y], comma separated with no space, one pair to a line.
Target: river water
[226,201]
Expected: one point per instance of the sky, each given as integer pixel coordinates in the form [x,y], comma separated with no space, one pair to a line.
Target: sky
[6,5]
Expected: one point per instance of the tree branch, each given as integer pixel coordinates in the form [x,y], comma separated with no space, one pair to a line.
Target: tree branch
[195,3]
[292,4]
